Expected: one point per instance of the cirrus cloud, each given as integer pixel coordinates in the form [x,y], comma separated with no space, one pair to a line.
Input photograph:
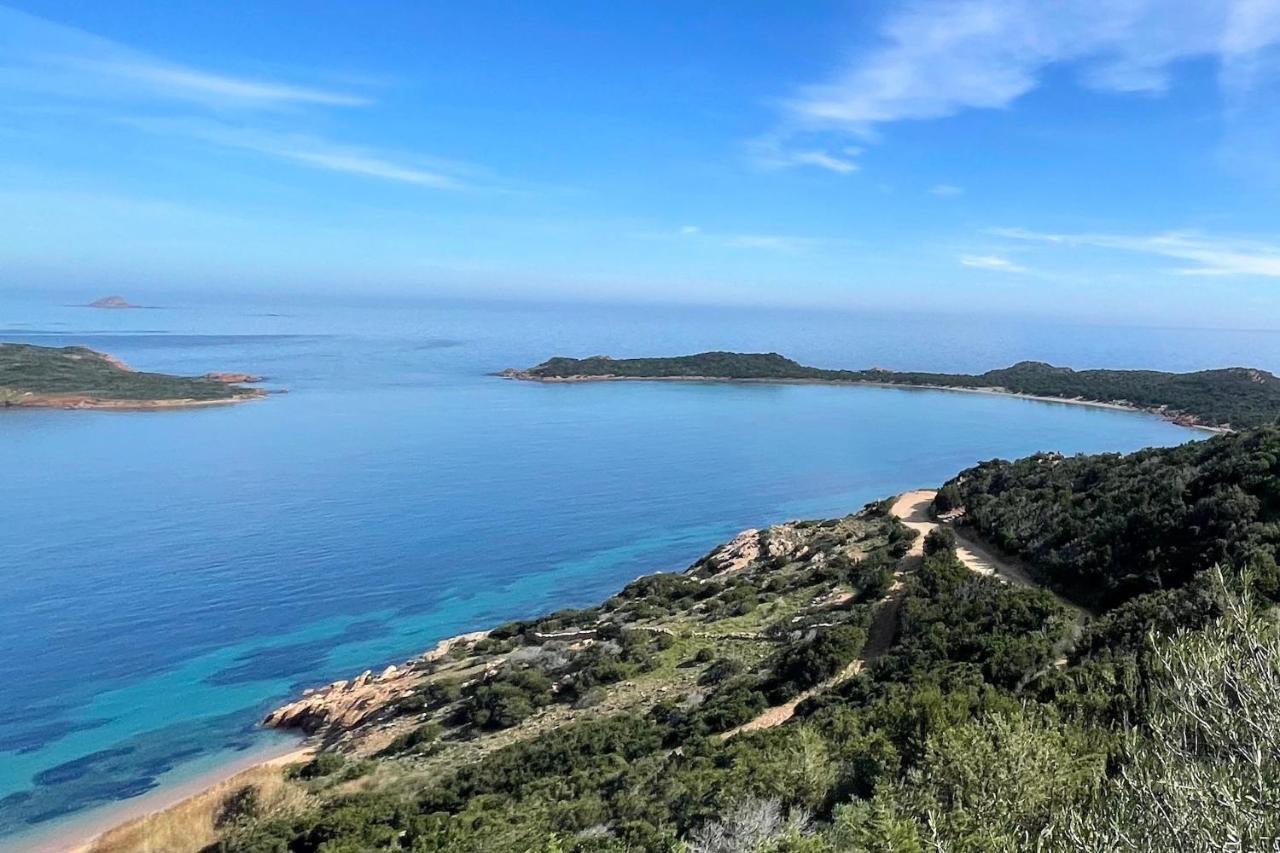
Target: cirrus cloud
[938,58]
[994,263]
[43,57]
[1208,256]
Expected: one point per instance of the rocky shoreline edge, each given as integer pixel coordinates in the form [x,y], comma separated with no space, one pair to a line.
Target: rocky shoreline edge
[348,704]
[58,401]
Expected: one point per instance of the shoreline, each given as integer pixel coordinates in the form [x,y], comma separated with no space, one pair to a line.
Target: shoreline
[83,835]
[1176,418]
[99,825]
[94,404]
[18,398]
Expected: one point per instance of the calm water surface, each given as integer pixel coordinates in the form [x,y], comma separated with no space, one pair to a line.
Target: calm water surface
[167,576]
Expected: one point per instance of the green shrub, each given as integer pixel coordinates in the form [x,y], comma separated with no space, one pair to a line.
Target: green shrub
[804,664]
[426,734]
[240,805]
[721,670]
[324,764]
[940,539]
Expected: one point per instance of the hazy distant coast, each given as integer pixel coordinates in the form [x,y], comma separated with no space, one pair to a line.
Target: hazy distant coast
[1172,417]
[1213,400]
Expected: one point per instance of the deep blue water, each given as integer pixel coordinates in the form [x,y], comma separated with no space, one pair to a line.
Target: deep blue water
[165,577]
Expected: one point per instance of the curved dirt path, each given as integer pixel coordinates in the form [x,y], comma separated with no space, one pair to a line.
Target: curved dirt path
[912,508]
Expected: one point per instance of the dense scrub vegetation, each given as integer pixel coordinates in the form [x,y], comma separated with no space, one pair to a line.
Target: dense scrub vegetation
[80,372]
[644,780]
[1238,397]
[997,719]
[1107,528]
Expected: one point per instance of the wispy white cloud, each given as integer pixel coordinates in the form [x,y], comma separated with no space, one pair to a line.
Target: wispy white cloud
[162,79]
[102,80]
[43,57]
[1208,256]
[769,242]
[936,58]
[312,151]
[696,235]
[994,263]
[946,190]
[773,152]
[841,164]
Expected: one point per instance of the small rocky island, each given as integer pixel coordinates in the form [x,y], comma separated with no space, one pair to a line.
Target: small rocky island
[1226,399]
[82,378]
[112,303]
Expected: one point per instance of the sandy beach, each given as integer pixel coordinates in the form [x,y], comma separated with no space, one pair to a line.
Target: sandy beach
[87,832]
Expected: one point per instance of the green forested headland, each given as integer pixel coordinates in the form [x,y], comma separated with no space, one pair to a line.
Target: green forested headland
[36,375]
[1237,397]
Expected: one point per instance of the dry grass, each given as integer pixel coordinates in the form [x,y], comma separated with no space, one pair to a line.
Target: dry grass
[188,826]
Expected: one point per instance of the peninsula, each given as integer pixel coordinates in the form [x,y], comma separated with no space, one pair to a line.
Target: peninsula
[1226,399]
[82,378]
[988,666]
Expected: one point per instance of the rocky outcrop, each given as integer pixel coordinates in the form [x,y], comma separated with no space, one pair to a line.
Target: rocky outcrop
[573,635]
[749,548]
[736,554]
[233,378]
[345,705]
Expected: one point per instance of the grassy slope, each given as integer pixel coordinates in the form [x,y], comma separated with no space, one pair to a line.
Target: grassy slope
[800,577]
[734,611]
[1239,397]
[79,372]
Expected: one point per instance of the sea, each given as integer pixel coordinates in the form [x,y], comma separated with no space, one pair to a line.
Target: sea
[167,577]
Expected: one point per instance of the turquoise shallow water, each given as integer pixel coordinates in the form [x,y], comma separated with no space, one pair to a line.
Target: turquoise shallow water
[168,576]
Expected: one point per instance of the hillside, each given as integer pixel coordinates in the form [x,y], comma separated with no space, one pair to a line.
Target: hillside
[851,685]
[78,377]
[1107,528]
[1237,397]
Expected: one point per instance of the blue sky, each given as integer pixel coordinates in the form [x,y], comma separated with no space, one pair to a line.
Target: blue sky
[1083,159]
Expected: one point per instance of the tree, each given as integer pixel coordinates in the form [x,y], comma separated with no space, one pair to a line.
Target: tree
[940,539]
[1203,773]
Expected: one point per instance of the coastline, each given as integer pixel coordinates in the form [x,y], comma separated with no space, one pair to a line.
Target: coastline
[19,398]
[55,402]
[1176,418]
[110,822]
[83,835]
